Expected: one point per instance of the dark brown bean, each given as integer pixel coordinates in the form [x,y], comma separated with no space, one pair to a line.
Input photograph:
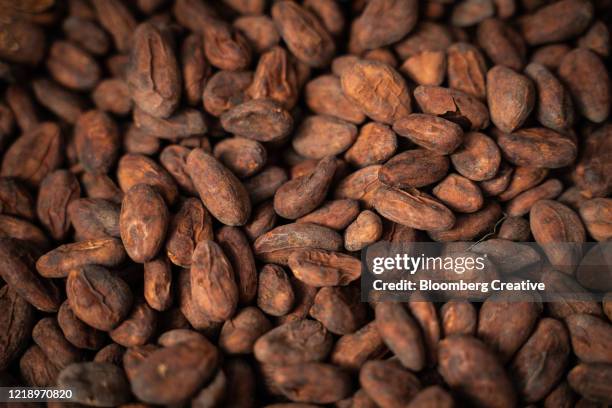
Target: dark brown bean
[383,23]
[592,381]
[57,263]
[539,364]
[13,227]
[468,365]
[365,230]
[262,120]
[589,83]
[153,75]
[36,369]
[15,199]
[303,33]
[275,295]
[538,147]
[472,12]
[16,324]
[187,366]
[453,105]
[413,169]
[459,193]
[467,69]
[426,68]
[557,22]
[136,169]
[275,78]
[259,30]
[174,160]
[324,96]
[78,333]
[87,34]
[471,226]
[262,221]
[225,90]
[25,43]
[213,284]
[220,191]
[336,214]
[196,69]
[101,186]
[65,104]
[521,204]
[224,47]
[49,337]
[115,17]
[387,383]
[319,267]
[237,247]
[17,270]
[596,214]
[312,382]
[55,194]
[244,157]
[96,383]
[239,334]
[158,287]
[413,209]
[555,108]
[431,132]
[590,336]
[353,350]
[143,222]
[559,231]
[190,225]
[278,244]
[292,343]
[94,218]
[192,312]
[458,317]
[320,136]
[511,98]
[505,336]
[182,124]
[502,43]
[375,144]
[72,67]
[301,195]
[97,297]
[591,172]
[34,155]
[401,333]
[339,309]
[138,326]
[361,185]
[379,90]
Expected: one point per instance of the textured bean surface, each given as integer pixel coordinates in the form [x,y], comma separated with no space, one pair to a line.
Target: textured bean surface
[192,191]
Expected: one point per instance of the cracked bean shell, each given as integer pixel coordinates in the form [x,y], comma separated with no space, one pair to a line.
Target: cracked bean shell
[378,89]
[319,267]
